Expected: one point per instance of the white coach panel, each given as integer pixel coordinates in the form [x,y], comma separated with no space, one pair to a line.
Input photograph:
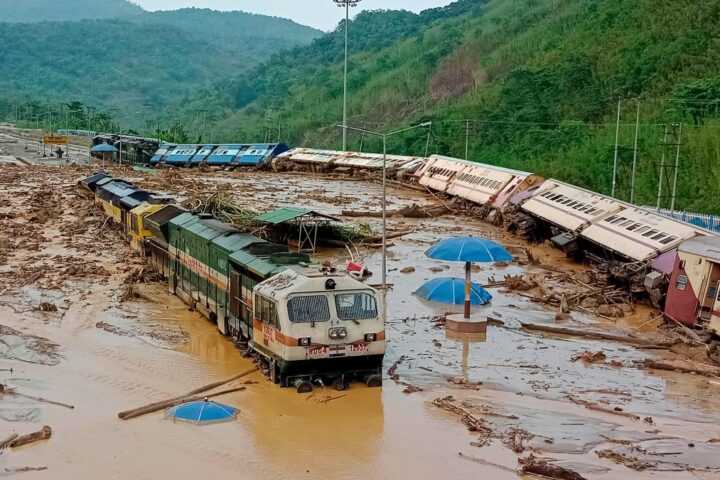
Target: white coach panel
[640,234]
[568,206]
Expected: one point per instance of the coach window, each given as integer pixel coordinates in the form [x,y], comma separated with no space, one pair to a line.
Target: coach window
[681,282]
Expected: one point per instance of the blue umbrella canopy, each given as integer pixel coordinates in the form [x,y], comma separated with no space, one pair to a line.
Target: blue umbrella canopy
[452,291]
[202,412]
[469,249]
[103,147]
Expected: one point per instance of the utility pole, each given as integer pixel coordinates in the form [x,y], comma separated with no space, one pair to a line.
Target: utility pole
[427,142]
[617,144]
[467,138]
[347,4]
[677,169]
[635,154]
[662,169]
[89,108]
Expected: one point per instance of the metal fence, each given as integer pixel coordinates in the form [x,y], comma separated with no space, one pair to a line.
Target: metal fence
[709,222]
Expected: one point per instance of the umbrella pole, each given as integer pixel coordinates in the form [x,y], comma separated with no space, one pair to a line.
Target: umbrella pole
[468,270]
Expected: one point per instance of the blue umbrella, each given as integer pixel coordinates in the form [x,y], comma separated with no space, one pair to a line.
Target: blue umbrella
[452,291]
[468,250]
[202,412]
[103,148]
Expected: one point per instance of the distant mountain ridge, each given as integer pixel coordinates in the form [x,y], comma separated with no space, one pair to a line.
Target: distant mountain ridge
[32,11]
[135,59]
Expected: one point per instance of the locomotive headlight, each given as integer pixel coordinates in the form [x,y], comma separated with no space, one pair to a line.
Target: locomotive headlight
[304,342]
[337,333]
[370,337]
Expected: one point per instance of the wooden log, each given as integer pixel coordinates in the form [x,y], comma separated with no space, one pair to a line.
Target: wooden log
[545,469]
[389,236]
[210,386]
[684,366]
[591,334]
[154,407]
[42,434]
[414,211]
[600,408]
[11,391]
[6,443]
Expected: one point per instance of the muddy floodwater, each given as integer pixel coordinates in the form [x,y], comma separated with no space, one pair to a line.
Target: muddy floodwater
[104,354]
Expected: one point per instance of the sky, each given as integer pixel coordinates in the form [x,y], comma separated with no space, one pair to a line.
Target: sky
[322,14]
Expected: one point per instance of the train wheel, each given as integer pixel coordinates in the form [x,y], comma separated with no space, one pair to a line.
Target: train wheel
[374,381]
[303,386]
[340,385]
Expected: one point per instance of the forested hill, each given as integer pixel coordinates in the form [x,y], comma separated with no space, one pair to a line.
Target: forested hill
[141,60]
[58,10]
[532,84]
[259,34]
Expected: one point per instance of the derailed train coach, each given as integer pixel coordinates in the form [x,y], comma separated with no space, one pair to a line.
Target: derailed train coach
[229,155]
[479,183]
[634,245]
[335,161]
[305,324]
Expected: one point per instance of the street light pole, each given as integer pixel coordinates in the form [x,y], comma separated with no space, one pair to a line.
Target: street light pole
[347,4]
[384,137]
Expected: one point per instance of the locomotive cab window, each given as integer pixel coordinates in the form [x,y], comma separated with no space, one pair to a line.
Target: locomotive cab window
[355,306]
[266,311]
[308,309]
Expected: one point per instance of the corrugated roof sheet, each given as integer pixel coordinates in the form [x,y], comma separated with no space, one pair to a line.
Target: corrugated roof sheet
[282,215]
[290,213]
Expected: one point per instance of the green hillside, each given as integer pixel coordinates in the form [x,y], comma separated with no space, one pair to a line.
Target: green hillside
[539,81]
[242,32]
[57,10]
[143,61]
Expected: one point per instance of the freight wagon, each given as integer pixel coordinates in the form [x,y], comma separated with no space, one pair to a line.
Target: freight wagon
[306,324]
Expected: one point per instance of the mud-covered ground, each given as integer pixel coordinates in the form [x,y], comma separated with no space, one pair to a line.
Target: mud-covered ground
[450,407]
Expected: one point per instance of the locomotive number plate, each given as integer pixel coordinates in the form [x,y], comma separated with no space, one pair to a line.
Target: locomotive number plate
[358,348]
[315,351]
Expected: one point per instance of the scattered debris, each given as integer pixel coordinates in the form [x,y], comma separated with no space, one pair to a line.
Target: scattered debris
[48,307]
[682,365]
[473,423]
[42,434]
[5,390]
[597,407]
[538,466]
[628,461]
[629,337]
[6,443]
[16,345]
[590,357]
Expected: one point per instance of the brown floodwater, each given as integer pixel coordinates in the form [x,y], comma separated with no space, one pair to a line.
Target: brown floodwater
[117,356]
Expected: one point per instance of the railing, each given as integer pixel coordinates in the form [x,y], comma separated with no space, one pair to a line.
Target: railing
[709,222]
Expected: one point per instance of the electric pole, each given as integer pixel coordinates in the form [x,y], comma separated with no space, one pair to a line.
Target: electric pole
[347,4]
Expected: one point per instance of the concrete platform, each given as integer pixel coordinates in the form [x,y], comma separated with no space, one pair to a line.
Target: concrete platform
[457,323]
